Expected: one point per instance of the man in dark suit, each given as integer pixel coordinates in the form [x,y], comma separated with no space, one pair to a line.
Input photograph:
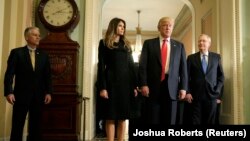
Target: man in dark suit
[163,77]
[32,86]
[206,81]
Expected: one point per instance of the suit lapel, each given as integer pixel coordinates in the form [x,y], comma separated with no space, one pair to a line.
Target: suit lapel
[198,61]
[158,49]
[173,50]
[27,57]
[38,60]
[210,60]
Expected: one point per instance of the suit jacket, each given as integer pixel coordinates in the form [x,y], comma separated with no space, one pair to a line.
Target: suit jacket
[150,68]
[29,84]
[211,82]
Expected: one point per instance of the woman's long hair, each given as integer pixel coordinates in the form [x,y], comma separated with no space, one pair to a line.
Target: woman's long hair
[112,32]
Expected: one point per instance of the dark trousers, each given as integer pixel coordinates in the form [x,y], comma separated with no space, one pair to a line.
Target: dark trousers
[162,110]
[217,118]
[34,122]
[204,111]
[184,113]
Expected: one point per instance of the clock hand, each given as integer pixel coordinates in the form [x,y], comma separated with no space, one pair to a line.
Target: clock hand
[65,12]
[58,11]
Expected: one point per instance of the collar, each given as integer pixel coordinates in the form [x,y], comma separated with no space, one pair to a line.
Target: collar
[33,49]
[206,54]
[161,38]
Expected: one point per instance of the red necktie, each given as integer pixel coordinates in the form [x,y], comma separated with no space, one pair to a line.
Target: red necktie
[164,52]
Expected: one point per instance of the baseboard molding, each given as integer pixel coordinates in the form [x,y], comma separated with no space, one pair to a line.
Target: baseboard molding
[8,138]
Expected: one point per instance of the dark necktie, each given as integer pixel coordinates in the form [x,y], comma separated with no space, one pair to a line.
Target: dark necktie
[204,63]
[163,58]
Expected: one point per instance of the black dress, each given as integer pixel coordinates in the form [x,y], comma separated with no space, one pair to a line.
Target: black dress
[116,74]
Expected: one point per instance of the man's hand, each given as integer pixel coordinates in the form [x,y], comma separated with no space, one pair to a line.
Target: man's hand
[182,94]
[189,98]
[11,99]
[145,91]
[47,99]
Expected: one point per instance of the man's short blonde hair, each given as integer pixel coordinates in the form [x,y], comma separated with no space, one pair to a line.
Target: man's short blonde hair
[165,19]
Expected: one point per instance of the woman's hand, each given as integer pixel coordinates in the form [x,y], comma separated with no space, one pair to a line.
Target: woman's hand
[104,94]
[136,92]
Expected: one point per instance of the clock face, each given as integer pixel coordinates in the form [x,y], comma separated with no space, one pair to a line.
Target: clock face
[58,12]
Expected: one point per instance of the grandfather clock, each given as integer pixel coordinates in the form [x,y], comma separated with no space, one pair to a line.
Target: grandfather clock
[61,118]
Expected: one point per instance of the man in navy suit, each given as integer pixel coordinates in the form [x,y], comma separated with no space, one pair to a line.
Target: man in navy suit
[32,86]
[162,94]
[205,84]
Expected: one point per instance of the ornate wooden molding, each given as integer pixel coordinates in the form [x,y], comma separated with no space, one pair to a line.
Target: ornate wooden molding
[61,65]
[183,21]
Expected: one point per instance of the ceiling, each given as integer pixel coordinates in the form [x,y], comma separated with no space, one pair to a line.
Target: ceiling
[151,12]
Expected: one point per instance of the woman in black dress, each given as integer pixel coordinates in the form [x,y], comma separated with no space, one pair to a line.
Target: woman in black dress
[116,78]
